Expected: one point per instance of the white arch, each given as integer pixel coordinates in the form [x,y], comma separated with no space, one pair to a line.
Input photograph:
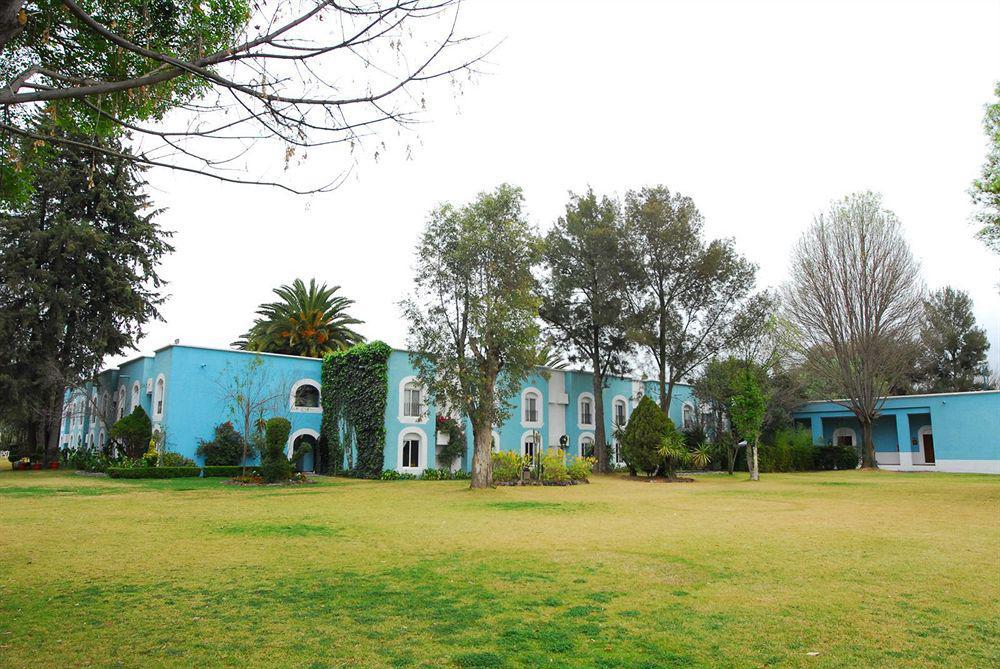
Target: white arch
[539,407]
[579,442]
[689,415]
[159,396]
[921,453]
[616,401]
[845,432]
[496,442]
[304,432]
[422,457]
[579,411]
[412,420]
[295,387]
[136,396]
[122,394]
[536,437]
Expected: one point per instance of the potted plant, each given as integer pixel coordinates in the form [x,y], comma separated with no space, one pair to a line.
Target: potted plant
[36,465]
[54,464]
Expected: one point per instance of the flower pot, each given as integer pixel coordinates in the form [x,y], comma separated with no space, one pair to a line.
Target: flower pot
[36,465]
[53,465]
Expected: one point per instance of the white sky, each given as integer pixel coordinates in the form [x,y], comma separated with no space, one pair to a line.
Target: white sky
[761,111]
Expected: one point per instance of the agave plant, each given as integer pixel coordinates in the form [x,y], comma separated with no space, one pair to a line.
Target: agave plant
[701,455]
[674,453]
[308,321]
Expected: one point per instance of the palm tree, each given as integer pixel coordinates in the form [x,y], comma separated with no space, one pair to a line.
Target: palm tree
[308,321]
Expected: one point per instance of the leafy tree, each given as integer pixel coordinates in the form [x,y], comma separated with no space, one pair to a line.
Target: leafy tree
[134,431]
[953,348]
[249,390]
[644,434]
[226,447]
[308,321]
[275,465]
[584,295]
[78,281]
[986,189]
[473,331]
[242,71]
[749,408]
[854,303]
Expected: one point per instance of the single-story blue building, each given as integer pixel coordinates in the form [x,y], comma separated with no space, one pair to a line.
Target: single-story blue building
[948,432]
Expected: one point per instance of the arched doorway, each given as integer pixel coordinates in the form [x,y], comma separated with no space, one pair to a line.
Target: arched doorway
[925,439]
[302,438]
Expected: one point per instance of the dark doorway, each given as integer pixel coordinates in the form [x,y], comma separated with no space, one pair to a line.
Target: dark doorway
[928,444]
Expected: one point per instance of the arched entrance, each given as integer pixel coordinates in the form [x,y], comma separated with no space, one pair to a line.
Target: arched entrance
[302,438]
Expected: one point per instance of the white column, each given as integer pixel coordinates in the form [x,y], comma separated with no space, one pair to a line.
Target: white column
[903,440]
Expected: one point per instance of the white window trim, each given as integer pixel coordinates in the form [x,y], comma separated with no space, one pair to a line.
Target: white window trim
[412,420]
[539,407]
[926,429]
[136,397]
[615,401]
[295,387]
[496,442]
[304,432]
[538,444]
[579,442]
[694,414]
[122,396]
[159,397]
[579,411]
[841,431]
[422,436]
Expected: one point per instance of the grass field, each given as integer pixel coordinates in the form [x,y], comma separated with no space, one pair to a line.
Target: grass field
[863,568]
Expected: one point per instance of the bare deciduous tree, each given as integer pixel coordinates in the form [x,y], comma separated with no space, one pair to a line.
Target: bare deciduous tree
[252,393]
[308,73]
[855,302]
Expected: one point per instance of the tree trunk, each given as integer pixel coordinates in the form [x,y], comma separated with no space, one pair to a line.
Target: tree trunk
[867,445]
[482,462]
[10,24]
[752,462]
[661,360]
[600,435]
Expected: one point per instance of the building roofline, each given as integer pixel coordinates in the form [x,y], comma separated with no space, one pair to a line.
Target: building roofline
[903,397]
[236,350]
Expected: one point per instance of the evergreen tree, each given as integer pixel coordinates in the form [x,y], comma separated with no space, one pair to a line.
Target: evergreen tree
[643,438]
[953,356]
[78,281]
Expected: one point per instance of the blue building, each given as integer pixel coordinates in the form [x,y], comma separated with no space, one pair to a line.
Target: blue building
[950,432]
[183,389]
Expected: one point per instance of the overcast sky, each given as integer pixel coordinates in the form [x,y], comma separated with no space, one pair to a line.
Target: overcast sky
[761,111]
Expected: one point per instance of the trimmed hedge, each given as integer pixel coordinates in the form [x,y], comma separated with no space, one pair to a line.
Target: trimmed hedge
[154,472]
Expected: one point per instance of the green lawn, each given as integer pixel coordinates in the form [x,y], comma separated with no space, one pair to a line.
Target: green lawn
[863,568]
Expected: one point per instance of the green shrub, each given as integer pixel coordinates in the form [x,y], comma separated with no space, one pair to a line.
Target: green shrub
[134,431]
[507,466]
[228,471]
[225,448]
[554,466]
[579,468]
[836,457]
[792,451]
[393,475]
[275,465]
[643,437]
[153,472]
[171,459]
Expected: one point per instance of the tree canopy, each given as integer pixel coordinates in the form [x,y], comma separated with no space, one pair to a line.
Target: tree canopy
[307,320]
[473,330]
[952,347]
[986,189]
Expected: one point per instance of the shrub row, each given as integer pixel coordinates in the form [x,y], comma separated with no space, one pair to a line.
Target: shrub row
[429,474]
[153,472]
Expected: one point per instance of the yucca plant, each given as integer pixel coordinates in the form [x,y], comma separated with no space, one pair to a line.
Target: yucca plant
[701,455]
[673,451]
[308,321]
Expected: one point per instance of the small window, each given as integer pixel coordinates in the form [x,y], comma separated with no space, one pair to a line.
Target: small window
[135,394]
[307,396]
[620,414]
[587,447]
[845,440]
[586,413]
[158,398]
[411,452]
[411,401]
[531,408]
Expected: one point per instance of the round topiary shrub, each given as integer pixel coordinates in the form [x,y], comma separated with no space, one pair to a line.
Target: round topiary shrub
[643,436]
[275,465]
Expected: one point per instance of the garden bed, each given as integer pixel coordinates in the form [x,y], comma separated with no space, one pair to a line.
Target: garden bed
[658,479]
[535,483]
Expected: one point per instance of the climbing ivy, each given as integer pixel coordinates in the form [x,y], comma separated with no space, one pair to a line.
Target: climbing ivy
[355,390]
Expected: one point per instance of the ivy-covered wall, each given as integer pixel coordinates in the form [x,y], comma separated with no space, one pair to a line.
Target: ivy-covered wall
[355,391]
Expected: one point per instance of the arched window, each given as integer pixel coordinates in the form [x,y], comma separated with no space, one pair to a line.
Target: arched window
[621,412]
[531,408]
[158,392]
[687,416]
[412,451]
[495,441]
[305,396]
[844,436]
[586,413]
[587,446]
[412,401]
[135,396]
[121,402]
[530,447]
